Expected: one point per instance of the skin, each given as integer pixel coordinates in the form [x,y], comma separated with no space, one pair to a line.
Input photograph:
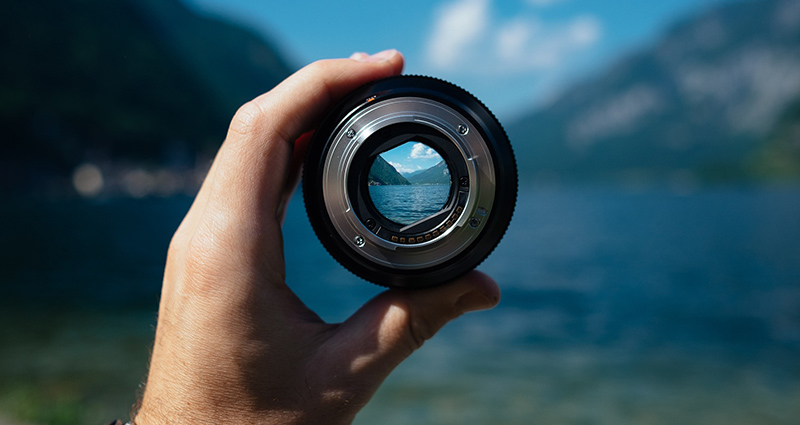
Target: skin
[233,343]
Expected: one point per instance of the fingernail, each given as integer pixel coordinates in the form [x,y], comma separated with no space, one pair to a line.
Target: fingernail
[377,57]
[476,300]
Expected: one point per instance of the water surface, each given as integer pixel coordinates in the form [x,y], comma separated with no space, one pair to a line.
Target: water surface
[618,307]
[406,204]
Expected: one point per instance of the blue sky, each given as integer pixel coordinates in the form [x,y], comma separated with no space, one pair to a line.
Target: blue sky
[411,156]
[513,55]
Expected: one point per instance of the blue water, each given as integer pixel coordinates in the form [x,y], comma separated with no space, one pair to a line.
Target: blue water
[406,204]
[618,307]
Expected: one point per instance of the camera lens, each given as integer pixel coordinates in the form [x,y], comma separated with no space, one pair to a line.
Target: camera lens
[410,182]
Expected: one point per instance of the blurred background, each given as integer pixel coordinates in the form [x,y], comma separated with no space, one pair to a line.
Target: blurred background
[651,274]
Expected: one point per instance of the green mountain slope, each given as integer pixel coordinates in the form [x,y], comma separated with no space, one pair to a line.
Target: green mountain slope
[438,174]
[701,100]
[382,173]
[130,81]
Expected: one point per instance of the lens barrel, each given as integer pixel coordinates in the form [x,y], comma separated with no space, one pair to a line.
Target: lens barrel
[391,235]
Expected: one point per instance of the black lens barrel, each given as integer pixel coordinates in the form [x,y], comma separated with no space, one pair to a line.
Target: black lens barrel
[492,225]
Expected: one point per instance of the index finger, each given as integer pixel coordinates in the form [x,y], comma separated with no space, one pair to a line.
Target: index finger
[252,165]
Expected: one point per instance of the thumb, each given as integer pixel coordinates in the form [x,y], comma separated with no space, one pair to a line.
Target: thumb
[385,331]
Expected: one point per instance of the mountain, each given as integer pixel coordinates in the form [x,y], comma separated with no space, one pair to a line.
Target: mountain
[438,174]
[703,100]
[128,81]
[382,173]
[411,174]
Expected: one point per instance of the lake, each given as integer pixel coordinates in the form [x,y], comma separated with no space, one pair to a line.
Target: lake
[619,306]
[406,204]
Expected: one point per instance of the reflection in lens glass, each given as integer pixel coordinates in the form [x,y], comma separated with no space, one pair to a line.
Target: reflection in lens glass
[409,183]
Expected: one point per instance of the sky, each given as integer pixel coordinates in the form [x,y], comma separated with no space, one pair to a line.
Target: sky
[513,55]
[411,156]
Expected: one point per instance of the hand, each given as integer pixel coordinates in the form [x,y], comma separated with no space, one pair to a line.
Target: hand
[234,345]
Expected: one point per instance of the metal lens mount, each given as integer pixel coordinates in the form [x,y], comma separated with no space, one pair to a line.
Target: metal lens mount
[383,115]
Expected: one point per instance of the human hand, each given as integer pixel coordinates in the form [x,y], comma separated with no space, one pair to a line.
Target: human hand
[234,344]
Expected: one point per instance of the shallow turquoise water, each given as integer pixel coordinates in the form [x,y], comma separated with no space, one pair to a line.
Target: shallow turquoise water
[618,307]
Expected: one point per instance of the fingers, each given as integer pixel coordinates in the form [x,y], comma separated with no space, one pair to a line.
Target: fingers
[293,176]
[389,328]
[253,162]
[232,229]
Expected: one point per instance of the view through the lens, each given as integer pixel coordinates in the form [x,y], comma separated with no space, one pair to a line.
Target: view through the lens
[409,182]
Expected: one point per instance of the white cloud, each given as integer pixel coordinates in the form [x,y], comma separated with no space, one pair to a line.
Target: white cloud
[584,31]
[404,169]
[458,25]
[466,36]
[513,38]
[526,44]
[421,151]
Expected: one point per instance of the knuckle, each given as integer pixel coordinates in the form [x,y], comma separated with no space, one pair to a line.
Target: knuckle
[322,66]
[421,330]
[344,401]
[423,327]
[199,249]
[176,247]
[201,264]
[246,119]
[181,237]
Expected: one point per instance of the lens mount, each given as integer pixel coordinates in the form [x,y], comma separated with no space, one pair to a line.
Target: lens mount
[384,115]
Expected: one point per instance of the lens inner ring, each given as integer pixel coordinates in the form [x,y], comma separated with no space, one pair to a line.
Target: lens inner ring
[424,229]
[360,136]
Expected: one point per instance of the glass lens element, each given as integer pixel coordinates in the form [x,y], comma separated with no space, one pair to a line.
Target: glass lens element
[409,183]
